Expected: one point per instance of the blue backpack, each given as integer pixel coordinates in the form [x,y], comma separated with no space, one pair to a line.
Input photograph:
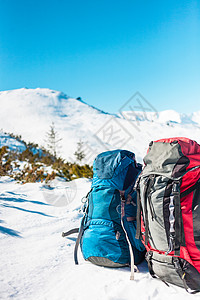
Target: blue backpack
[108,227]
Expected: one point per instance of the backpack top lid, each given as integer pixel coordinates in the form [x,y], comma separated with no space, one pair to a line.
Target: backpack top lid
[171,157]
[117,169]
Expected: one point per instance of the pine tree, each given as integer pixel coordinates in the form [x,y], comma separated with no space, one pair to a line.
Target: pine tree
[53,140]
[79,153]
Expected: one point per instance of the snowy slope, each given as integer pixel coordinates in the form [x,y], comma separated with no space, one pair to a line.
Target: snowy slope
[37,263]
[11,142]
[30,112]
[164,117]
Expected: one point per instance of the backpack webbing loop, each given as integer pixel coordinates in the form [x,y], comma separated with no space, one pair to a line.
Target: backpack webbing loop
[149,255]
[148,185]
[175,220]
[178,225]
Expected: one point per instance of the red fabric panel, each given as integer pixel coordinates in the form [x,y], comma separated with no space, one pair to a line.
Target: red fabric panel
[170,140]
[190,179]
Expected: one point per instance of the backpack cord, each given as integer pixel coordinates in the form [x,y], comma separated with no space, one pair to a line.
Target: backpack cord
[133,267]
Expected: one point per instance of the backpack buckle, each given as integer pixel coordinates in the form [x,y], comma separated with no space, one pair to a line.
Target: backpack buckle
[176,187]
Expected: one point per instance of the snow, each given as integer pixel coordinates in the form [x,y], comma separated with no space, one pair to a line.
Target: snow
[34,110]
[37,263]
[169,115]
[11,142]
[196,117]
[30,112]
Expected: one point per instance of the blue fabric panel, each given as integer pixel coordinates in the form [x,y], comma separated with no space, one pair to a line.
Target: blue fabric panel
[105,164]
[110,168]
[100,240]
[103,204]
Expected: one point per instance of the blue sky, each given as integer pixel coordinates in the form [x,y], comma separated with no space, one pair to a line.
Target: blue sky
[104,51]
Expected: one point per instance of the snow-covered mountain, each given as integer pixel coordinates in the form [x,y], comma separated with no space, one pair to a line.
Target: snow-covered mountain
[30,112]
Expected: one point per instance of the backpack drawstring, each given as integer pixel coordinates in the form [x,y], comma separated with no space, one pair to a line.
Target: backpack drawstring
[132,264]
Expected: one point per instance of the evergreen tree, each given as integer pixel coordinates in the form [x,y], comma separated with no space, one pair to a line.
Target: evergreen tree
[79,153]
[53,140]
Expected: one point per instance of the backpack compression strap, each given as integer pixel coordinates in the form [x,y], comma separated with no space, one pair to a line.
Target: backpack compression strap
[80,233]
[74,230]
[78,230]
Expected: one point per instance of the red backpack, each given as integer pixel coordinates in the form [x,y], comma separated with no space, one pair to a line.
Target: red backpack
[168,215]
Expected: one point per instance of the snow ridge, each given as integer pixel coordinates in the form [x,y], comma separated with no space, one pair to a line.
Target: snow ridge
[30,112]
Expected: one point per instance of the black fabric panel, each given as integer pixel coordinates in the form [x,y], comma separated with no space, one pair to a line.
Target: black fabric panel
[178,227]
[166,201]
[138,217]
[180,167]
[196,216]
[192,276]
[131,176]
[166,213]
